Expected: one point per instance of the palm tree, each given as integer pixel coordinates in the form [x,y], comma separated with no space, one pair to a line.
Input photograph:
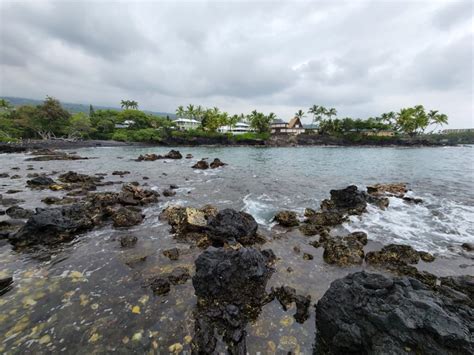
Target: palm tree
[180,111]
[331,112]
[198,112]
[272,117]
[133,105]
[190,111]
[436,118]
[300,114]
[124,104]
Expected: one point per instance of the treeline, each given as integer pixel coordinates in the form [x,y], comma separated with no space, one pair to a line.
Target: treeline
[50,120]
[411,121]
[212,118]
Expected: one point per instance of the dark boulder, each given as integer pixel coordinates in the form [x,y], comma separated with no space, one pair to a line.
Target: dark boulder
[287,219]
[373,314]
[349,201]
[120,172]
[19,212]
[230,226]
[179,275]
[173,154]
[201,164]
[40,182]
[71,177]
[229,275]
[216,163]
[53,225]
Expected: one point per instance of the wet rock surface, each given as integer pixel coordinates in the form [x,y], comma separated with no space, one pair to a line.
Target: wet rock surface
[6,283]
[128,241]
[230,286]
[287,219]
[40,182]
[172,154]
[371,314]
[201,164]
[18,212]
[344,251]
[216,163]
[230,226]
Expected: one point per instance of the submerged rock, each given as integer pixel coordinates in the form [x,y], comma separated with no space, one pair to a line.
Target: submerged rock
[160,286]
[19,212]
[201,164]
[126,217]
[120,172]
[40,182]
[230,226]
[372,314]
[172,254]
[179,275]
[287,219]
[127,241]
[168,193]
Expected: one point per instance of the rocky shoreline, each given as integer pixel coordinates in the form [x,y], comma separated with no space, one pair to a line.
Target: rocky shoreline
[399,309]
[273,141]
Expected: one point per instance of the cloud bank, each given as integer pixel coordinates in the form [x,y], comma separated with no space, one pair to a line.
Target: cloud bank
[362,57]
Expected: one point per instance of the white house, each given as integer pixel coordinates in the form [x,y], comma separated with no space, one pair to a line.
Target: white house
[239,128]
[186,123]
[125,124]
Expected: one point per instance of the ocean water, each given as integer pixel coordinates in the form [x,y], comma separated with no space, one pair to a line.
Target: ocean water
[80,298]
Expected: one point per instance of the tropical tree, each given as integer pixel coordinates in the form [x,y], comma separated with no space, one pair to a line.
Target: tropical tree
[259,121]
[91,111]
[50,118]
[318,112]
[233,120]
[129,104]
[300,114]
[437,119]
[5,105]
[331,112]
[190,112]
[180,111]
[80,126]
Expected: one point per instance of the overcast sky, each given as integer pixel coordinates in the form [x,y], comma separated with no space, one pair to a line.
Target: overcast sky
[361,57]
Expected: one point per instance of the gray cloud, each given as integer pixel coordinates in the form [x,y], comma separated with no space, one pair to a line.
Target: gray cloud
[363,57]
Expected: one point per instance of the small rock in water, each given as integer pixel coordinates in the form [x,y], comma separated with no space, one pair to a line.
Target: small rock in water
[173,186]
[179,275]
[307,256]
[426,257]
[287,219]
[121,173]
[468,246]
[172,254]
[189,156]
[160,286]
[40,182]
[201,164]
[127,241]
[168,193]
[216,163]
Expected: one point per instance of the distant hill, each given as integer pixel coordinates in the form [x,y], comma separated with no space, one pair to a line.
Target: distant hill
[73,107]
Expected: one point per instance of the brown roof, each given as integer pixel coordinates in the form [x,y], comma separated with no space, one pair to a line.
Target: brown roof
[293,122]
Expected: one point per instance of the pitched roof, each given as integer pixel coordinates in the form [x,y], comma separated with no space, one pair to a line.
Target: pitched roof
[278,121]
[294,121]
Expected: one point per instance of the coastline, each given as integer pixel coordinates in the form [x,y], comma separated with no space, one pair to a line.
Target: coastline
[273,142]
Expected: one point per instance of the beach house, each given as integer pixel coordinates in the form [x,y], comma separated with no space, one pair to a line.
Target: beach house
[294,126]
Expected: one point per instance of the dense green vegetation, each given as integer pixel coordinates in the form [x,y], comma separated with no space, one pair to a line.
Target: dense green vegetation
[50,120]
[410,121]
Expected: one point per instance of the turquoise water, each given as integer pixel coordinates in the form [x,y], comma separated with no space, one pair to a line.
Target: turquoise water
[81,297]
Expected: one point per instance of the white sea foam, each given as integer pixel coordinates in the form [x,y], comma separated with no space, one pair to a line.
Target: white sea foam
[427,227]
[260,208]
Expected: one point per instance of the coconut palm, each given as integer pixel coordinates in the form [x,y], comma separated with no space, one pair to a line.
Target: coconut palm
[300,114]
[331,112]
[190,111]
[180,111]
[272,117]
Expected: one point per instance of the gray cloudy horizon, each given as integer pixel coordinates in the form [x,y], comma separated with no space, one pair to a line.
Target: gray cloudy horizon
[361,57]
